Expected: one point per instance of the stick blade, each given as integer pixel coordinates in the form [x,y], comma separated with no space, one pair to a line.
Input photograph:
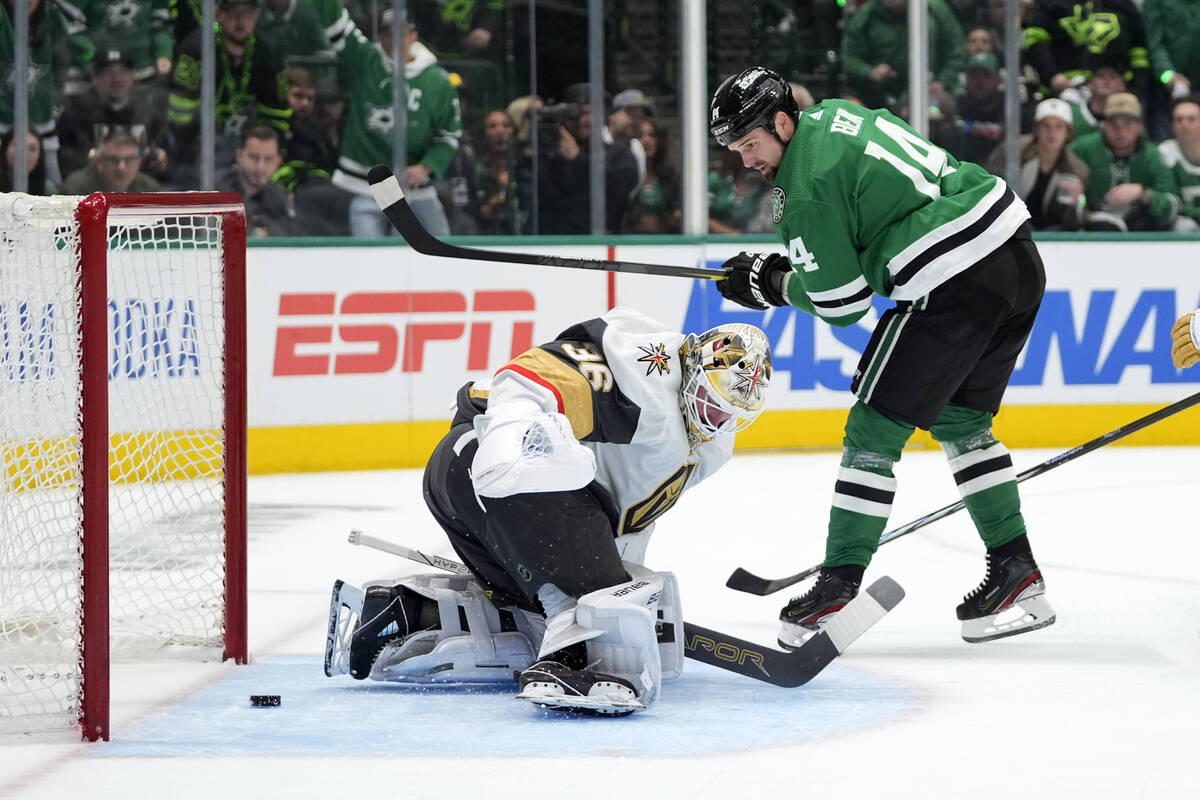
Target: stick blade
[741,580]
[861,613]
[744,581]
[886,592]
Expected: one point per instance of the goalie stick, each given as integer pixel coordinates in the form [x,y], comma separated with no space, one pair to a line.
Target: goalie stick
[743,580]
[786,669]
[390,198]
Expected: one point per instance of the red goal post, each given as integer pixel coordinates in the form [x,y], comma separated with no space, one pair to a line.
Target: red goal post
[123,445]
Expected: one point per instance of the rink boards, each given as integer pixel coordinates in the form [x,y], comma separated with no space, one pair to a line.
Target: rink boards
[355,353]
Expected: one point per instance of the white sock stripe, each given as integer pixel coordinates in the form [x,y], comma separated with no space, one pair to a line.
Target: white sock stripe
[860,476]
[971,457]
[987,481]
[859,506]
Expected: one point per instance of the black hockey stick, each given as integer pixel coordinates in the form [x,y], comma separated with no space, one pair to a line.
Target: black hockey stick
[787,669]
[390,198]
[744,581]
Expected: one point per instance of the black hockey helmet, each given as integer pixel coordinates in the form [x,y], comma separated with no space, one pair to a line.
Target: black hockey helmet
[747,101]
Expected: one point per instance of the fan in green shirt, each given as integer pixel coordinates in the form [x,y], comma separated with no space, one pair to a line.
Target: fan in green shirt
[1129,187]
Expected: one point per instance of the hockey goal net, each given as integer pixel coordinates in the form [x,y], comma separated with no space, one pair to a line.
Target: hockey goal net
[122,444]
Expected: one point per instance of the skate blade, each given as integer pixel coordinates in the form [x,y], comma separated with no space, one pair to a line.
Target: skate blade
[792,636]
[1027,615]
[550,697]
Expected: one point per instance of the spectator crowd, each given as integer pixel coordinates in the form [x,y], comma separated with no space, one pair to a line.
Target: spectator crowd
[304,106]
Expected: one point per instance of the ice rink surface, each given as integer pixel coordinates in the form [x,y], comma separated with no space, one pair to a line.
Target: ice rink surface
[1103,704]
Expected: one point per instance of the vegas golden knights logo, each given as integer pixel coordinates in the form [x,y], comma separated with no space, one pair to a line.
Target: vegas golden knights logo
[642,515]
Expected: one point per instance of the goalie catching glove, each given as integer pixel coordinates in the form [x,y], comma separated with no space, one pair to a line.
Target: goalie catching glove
[1185,340]
[755,280]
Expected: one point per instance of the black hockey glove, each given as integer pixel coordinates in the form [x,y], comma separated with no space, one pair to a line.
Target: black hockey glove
[755,280]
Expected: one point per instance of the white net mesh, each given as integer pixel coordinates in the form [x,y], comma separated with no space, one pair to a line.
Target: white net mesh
[166,427]
[40,509]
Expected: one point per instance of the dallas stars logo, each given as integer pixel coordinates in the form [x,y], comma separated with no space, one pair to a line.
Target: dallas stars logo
[122,13]
[750,380]
[235,123]
[381,119]
[777,201]
[656,358]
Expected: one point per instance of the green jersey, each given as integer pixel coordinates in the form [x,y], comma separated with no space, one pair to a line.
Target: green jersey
[140,29]
[49,25]
[866,206]
[1187,176]
[434,126]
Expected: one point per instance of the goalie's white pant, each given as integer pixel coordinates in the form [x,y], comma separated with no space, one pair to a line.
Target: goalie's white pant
[620,625]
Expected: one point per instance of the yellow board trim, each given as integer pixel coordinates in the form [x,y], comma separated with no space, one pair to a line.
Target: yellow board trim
[52,463]
[408,445]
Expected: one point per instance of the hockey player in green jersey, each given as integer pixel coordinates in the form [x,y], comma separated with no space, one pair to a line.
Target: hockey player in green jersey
[865,206]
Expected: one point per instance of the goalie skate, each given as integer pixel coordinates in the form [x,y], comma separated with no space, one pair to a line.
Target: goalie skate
[556,687]
[1011,600]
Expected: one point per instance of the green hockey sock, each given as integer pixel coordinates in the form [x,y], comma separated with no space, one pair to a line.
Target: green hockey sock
[984,473]
[862,496]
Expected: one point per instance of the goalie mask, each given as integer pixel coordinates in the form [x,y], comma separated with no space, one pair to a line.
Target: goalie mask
[726,371]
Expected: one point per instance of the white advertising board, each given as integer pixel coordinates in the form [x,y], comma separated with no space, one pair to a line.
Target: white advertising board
[375,334]
[1102,335]
[382,334]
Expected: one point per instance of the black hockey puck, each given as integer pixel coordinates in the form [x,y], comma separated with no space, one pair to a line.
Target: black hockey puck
[265,700]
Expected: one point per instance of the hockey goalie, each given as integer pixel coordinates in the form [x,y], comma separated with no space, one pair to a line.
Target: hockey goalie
[548,486]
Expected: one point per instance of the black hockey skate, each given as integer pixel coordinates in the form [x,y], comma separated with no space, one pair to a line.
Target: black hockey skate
[1010,600]
[553,685]
[808,612]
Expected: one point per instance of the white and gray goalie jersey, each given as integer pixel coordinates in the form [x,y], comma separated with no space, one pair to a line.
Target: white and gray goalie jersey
[616,379]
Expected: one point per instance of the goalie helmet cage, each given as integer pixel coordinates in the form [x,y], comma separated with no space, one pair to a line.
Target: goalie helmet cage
[122,444]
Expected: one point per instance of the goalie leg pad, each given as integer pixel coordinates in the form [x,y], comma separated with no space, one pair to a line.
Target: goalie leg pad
[669,626]
[426,629]
[474,641]
[620,626]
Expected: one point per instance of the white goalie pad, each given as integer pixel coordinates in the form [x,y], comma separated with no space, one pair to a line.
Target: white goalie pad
[621,626]
[480,652]
[534,452]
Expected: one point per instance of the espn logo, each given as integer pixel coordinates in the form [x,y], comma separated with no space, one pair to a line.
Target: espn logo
[334,339]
